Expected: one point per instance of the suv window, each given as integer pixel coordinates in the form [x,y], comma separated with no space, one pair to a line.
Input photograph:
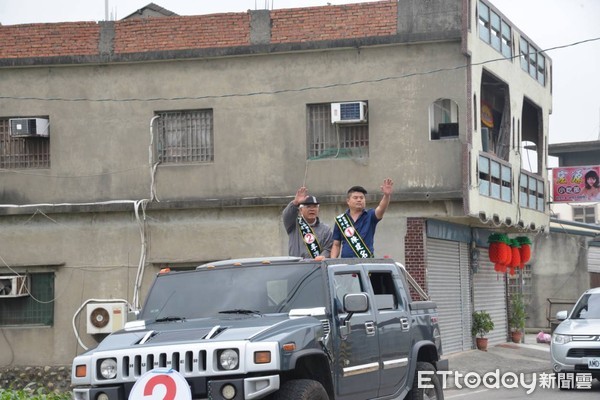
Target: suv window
[346,283]
[588,307]
[207,292]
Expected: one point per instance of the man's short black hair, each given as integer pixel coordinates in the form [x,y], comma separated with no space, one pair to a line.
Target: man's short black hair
[357,189]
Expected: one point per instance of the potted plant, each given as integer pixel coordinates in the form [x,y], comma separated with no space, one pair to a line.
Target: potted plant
[482,325]
[516,317]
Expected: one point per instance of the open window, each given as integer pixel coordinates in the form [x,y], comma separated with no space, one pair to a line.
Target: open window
[386,296]
[532,137]
[495,116]
[443,119]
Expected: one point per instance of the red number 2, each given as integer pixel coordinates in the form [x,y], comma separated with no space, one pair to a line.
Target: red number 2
[165,380]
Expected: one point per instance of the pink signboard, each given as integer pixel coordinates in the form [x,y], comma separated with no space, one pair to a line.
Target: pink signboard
[576,184]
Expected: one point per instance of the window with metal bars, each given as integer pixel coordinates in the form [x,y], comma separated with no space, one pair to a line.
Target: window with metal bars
[327,140]
[185,136]
[22,152]
[521,283]
[35,309]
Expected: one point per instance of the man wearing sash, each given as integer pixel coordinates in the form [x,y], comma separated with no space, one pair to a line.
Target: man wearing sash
[308,237]
[354,230]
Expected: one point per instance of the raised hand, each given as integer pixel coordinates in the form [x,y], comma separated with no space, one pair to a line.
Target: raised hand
[301,195]
[387,187]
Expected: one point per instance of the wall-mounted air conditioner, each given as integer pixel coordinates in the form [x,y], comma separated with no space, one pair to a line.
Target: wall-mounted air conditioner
[353,112]
[105,317]
[14,286]
[29,127]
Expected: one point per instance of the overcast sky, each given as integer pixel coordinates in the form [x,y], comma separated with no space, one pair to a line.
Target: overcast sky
[549,23]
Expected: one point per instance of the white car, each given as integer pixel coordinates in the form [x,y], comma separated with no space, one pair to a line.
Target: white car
[575,346]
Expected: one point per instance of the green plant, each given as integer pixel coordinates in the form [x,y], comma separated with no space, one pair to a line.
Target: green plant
[40,394]
[482,323]
[517,314]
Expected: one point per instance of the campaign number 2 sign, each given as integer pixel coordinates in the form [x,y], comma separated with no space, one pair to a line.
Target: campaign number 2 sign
[161,384]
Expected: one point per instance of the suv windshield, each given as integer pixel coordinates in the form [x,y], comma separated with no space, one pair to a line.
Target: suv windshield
[252,290]
[588,307]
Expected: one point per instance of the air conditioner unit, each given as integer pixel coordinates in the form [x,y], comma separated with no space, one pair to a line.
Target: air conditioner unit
[354,112]
[29,127]
[14,286]
[105,318]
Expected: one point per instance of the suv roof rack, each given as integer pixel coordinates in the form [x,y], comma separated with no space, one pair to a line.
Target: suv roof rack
[246,261]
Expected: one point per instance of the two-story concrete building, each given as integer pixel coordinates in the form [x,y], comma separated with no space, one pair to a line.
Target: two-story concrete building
[127,146]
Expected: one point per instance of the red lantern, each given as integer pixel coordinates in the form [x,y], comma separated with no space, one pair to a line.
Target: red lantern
[525,251]
[515,260]
[499,250]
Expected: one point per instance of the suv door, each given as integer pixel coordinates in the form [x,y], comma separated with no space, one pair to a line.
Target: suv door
[356,354]
[393,325]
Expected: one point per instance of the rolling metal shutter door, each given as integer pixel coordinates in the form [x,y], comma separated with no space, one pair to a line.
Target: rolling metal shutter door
[594,259]
[448,285]
[489,294]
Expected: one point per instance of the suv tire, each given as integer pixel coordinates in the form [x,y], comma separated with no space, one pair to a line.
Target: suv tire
[301,389]
[434,393]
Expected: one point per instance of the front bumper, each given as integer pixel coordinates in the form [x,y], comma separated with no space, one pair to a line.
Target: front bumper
[574,357]
[246,389]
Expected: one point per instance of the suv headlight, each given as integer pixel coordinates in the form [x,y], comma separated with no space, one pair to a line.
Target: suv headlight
[228,359]
[108,368]
[561,339]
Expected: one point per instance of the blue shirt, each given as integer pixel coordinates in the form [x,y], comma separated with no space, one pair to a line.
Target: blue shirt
[365,226]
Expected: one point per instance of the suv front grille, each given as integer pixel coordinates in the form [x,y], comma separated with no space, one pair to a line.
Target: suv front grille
[184,362]
[583,352]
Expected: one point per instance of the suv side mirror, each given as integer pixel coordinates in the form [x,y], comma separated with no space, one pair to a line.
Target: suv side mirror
[356,303]
[561,315]
[353,303]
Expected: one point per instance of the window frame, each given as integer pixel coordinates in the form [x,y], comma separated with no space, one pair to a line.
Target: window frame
[185,136]
[494,178]
[585,214]
[32,152]
[494,30]
[36,309]
[532,61]
[443,111]
[327,140]
[532,192]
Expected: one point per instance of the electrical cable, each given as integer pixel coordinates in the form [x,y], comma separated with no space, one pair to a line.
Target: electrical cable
[294,90]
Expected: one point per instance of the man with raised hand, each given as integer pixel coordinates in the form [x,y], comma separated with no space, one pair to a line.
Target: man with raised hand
[308,236]
[354,230]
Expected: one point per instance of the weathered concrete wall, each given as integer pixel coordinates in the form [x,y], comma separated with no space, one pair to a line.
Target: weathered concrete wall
[559,271]
[100,148]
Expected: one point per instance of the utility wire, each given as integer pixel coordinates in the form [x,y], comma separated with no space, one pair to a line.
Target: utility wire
[291,90]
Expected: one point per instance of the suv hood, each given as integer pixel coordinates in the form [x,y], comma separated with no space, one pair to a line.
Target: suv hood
[231,327]
[578,327]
